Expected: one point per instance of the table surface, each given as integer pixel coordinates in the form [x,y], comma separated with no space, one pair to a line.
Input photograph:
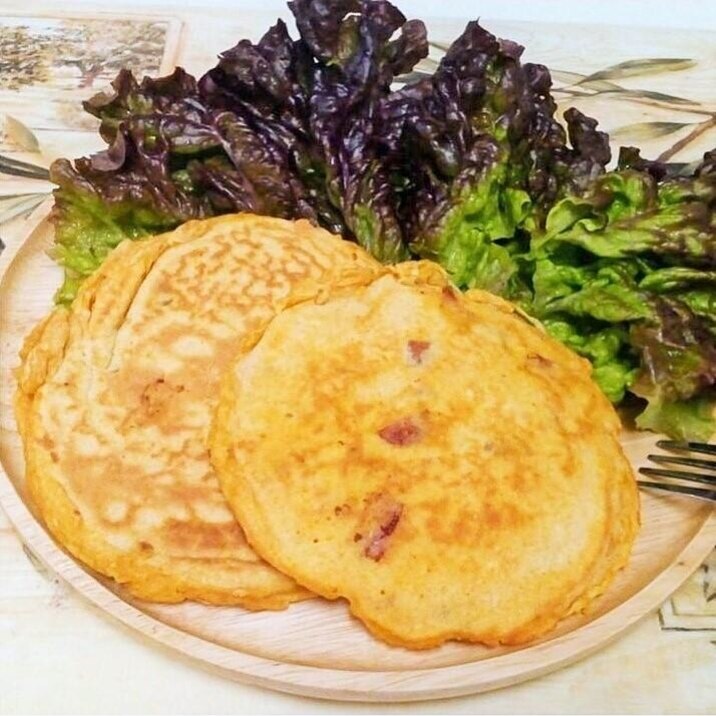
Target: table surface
[58,654]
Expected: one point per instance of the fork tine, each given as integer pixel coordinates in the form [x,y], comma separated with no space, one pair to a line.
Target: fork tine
[686,461]
[679,475]
[709,495]
[703,448]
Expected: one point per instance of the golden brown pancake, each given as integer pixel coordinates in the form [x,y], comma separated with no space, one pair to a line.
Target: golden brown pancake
[437,460]
[116,397]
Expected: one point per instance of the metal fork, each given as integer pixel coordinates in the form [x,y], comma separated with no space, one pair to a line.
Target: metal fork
[702,478]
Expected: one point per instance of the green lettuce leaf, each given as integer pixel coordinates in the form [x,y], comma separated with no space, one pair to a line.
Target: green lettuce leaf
[482,158]
[88,226]
[628,213]
[469,167]
[464,240]
[614,364]
[683,420]
[605,291]
[624,273]
[677,352]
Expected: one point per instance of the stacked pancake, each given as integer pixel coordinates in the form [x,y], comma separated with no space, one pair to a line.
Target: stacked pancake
[116,397]
[250,411]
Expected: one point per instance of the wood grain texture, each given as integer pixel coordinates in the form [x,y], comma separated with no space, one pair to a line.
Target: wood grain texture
[316,648]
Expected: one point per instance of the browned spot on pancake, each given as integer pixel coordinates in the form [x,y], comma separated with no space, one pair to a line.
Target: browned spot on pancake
[449,526]
[492,517]
[450,294]
[539,361]
[402,432]
[416,350]
[155,396]
[201,537]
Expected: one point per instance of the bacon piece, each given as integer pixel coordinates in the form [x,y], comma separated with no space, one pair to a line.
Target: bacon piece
[401,432]
[388,513]
[416,350]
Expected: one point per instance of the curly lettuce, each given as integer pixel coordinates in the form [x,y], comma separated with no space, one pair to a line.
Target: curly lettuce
[632,261]
[470,167]
[282,127]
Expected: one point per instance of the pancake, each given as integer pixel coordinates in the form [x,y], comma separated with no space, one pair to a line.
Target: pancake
[439,462]
[116,397]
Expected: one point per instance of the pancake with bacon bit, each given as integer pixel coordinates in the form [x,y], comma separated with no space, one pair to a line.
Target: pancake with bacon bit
[441,463]
[117,393]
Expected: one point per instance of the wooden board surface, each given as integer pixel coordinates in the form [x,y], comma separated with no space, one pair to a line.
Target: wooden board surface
[316,648]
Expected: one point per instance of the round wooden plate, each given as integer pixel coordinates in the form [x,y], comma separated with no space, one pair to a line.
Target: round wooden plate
[315,648]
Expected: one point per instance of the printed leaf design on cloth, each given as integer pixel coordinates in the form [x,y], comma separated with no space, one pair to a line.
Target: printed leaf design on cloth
[19,205]
[20,134]
[643,131]
[642,67]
